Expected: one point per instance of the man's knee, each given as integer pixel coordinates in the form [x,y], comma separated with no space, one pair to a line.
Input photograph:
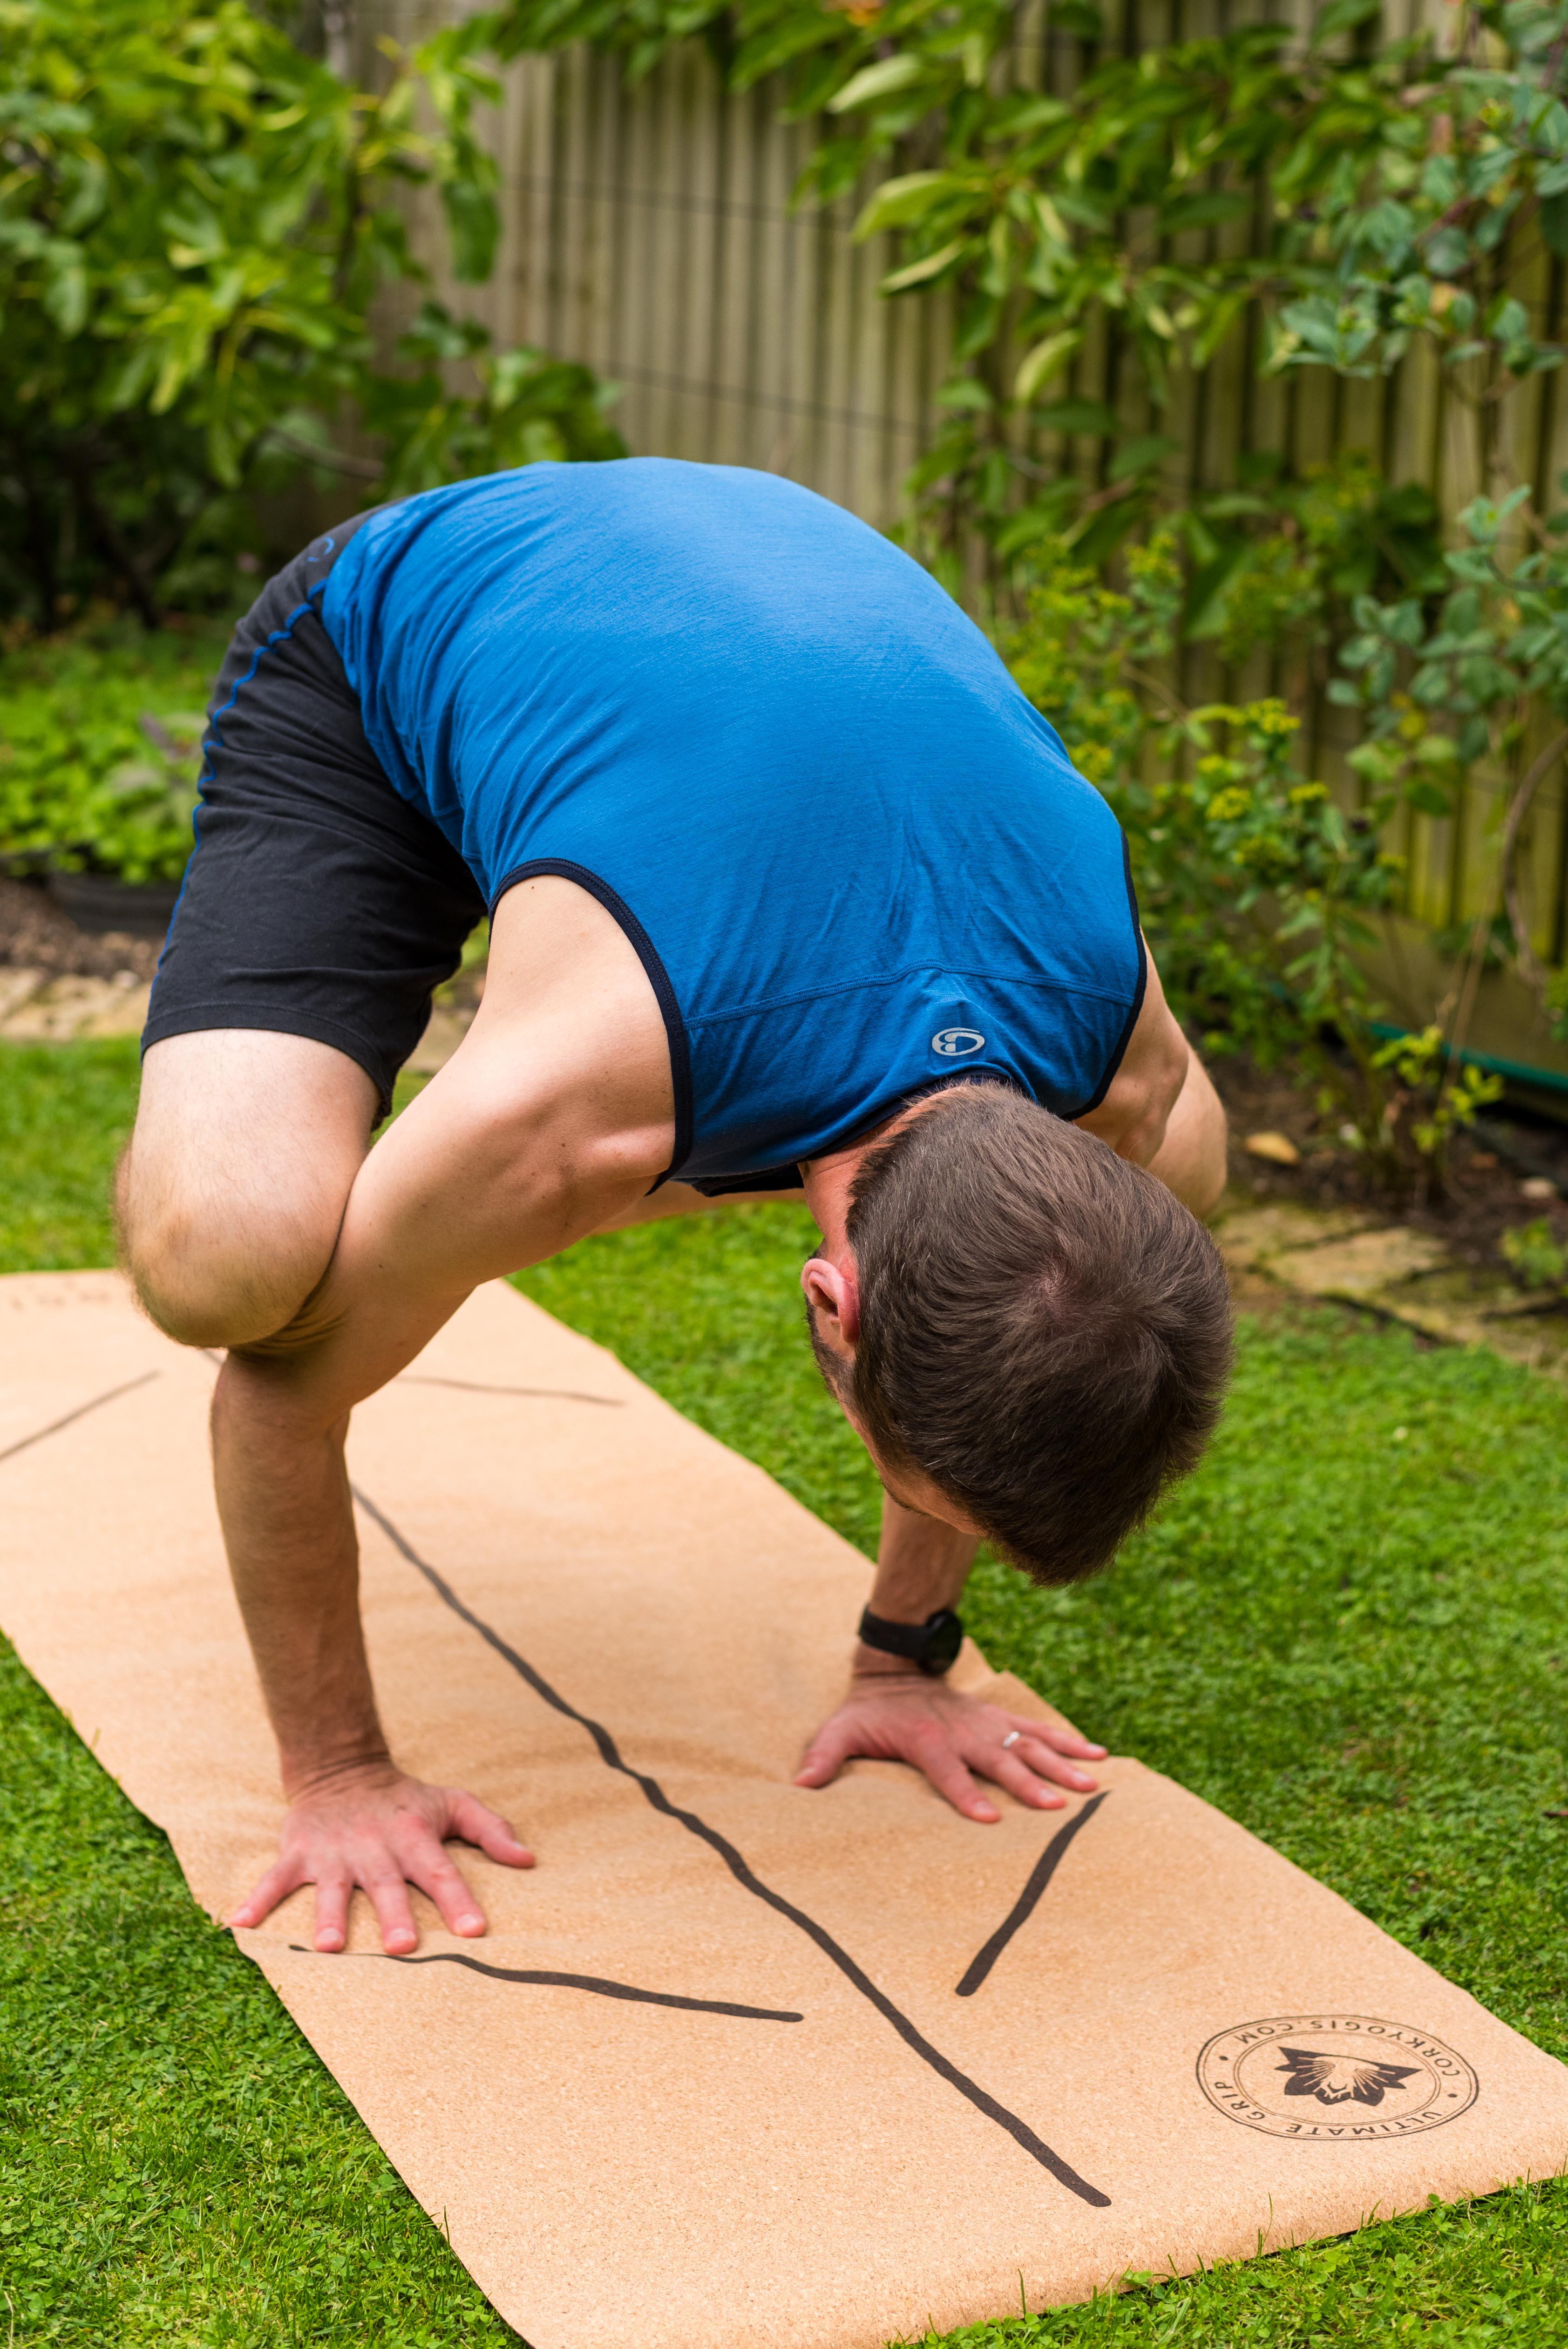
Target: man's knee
[220,1273]
[232,1192]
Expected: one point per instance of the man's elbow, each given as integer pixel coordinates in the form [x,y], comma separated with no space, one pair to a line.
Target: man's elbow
[1194,1160]
[1208,1186]
[1147,1104]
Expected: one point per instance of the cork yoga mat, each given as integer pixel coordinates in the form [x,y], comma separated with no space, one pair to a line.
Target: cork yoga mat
[736,2063]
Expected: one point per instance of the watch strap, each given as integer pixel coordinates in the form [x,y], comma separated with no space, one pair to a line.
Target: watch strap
[933,1645]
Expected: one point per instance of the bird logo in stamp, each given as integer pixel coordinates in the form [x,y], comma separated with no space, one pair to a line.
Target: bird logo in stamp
[1334,2078]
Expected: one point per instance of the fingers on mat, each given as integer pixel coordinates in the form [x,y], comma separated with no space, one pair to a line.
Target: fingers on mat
[1055,1766]
[393,1911]
[1012,1772]
[281,1878]
[445,1885]
[332,1898]
[475,1823]
[948,1774]
[1060,1741]
[822,1758]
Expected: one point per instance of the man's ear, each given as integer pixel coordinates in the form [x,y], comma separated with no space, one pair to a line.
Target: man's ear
[833,1294]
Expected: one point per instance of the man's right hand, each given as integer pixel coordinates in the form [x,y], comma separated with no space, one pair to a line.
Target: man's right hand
[382,1831]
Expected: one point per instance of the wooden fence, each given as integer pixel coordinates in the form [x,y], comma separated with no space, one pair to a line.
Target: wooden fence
[649,233]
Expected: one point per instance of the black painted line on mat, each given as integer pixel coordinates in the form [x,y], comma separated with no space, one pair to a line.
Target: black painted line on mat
[1028,1900]
[571,1981]
[477,1386]
[81,1412]
[654,1794]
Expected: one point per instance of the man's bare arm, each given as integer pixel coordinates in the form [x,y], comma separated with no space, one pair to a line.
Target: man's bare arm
[1161,1110]
[685,1199]
[554,1114]
[1190,1159]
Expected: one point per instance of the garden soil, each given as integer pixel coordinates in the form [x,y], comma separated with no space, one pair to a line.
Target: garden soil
[736,2064]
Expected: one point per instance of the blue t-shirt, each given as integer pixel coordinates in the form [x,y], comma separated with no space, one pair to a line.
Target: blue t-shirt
[853,858]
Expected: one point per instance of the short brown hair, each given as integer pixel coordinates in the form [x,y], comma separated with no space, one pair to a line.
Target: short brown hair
[1045,1330]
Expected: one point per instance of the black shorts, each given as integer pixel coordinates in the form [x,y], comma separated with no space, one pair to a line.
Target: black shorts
[316,902]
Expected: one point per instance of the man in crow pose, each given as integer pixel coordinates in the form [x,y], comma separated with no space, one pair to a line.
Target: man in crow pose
[790,890]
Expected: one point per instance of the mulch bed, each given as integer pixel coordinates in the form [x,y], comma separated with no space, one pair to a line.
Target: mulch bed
[1490,1165]
[36,935]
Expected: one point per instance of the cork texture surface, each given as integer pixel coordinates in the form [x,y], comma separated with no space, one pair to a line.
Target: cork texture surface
[735,2063]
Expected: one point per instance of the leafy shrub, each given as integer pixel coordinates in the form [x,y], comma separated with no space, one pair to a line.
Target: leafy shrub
[1317,187]
[195,219]
[528,407]
[1259,893]
[99,756]
[1450,691]
[1538,1260]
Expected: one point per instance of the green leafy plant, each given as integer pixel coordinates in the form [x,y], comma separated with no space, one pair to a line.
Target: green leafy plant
[195,219]
[1330,200]
[1442,1093]
[99,756]
[527,407]
[1467,690]
[101,792]
[1535,1257]
[1260,894]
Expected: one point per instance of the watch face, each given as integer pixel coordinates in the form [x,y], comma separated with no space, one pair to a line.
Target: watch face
[944,1638]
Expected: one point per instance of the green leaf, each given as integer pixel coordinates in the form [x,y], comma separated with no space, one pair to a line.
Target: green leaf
[474,224]
[66,287]
[1448,253]
[1221,320]
[921,272]
[1079,18]
[1047,359]
[965,392]
[1343,17]
[1090,417]
[881,79]
[1141,456]
[899,202]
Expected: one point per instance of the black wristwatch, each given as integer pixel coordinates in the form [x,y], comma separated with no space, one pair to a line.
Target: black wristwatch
[934,1645]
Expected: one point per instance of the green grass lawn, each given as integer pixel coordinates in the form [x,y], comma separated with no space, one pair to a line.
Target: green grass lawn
[1348,1630]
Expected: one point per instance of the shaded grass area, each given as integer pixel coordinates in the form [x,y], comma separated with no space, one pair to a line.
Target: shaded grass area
[65,1113]
[1348,1630]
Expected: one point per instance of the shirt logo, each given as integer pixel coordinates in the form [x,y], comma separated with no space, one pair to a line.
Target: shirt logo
[957,1044]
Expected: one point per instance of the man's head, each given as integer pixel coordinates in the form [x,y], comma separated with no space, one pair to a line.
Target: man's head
[1035,1328]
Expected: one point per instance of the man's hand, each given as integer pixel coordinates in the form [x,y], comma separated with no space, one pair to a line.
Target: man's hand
[382,1831]
[904,1716]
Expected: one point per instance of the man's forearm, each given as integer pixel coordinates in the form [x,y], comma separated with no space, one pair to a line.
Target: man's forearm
[453,1195]
[288,1526]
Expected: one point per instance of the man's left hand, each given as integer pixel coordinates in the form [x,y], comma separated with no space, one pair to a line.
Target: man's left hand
[905,1716]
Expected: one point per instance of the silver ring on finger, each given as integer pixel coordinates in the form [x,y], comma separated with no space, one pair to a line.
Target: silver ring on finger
[1011,1738]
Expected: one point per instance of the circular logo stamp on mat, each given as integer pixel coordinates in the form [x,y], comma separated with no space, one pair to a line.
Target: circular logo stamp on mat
[1339,2078]
[957,1044]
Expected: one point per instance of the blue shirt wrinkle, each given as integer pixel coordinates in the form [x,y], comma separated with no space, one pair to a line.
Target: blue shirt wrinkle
[854,858]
